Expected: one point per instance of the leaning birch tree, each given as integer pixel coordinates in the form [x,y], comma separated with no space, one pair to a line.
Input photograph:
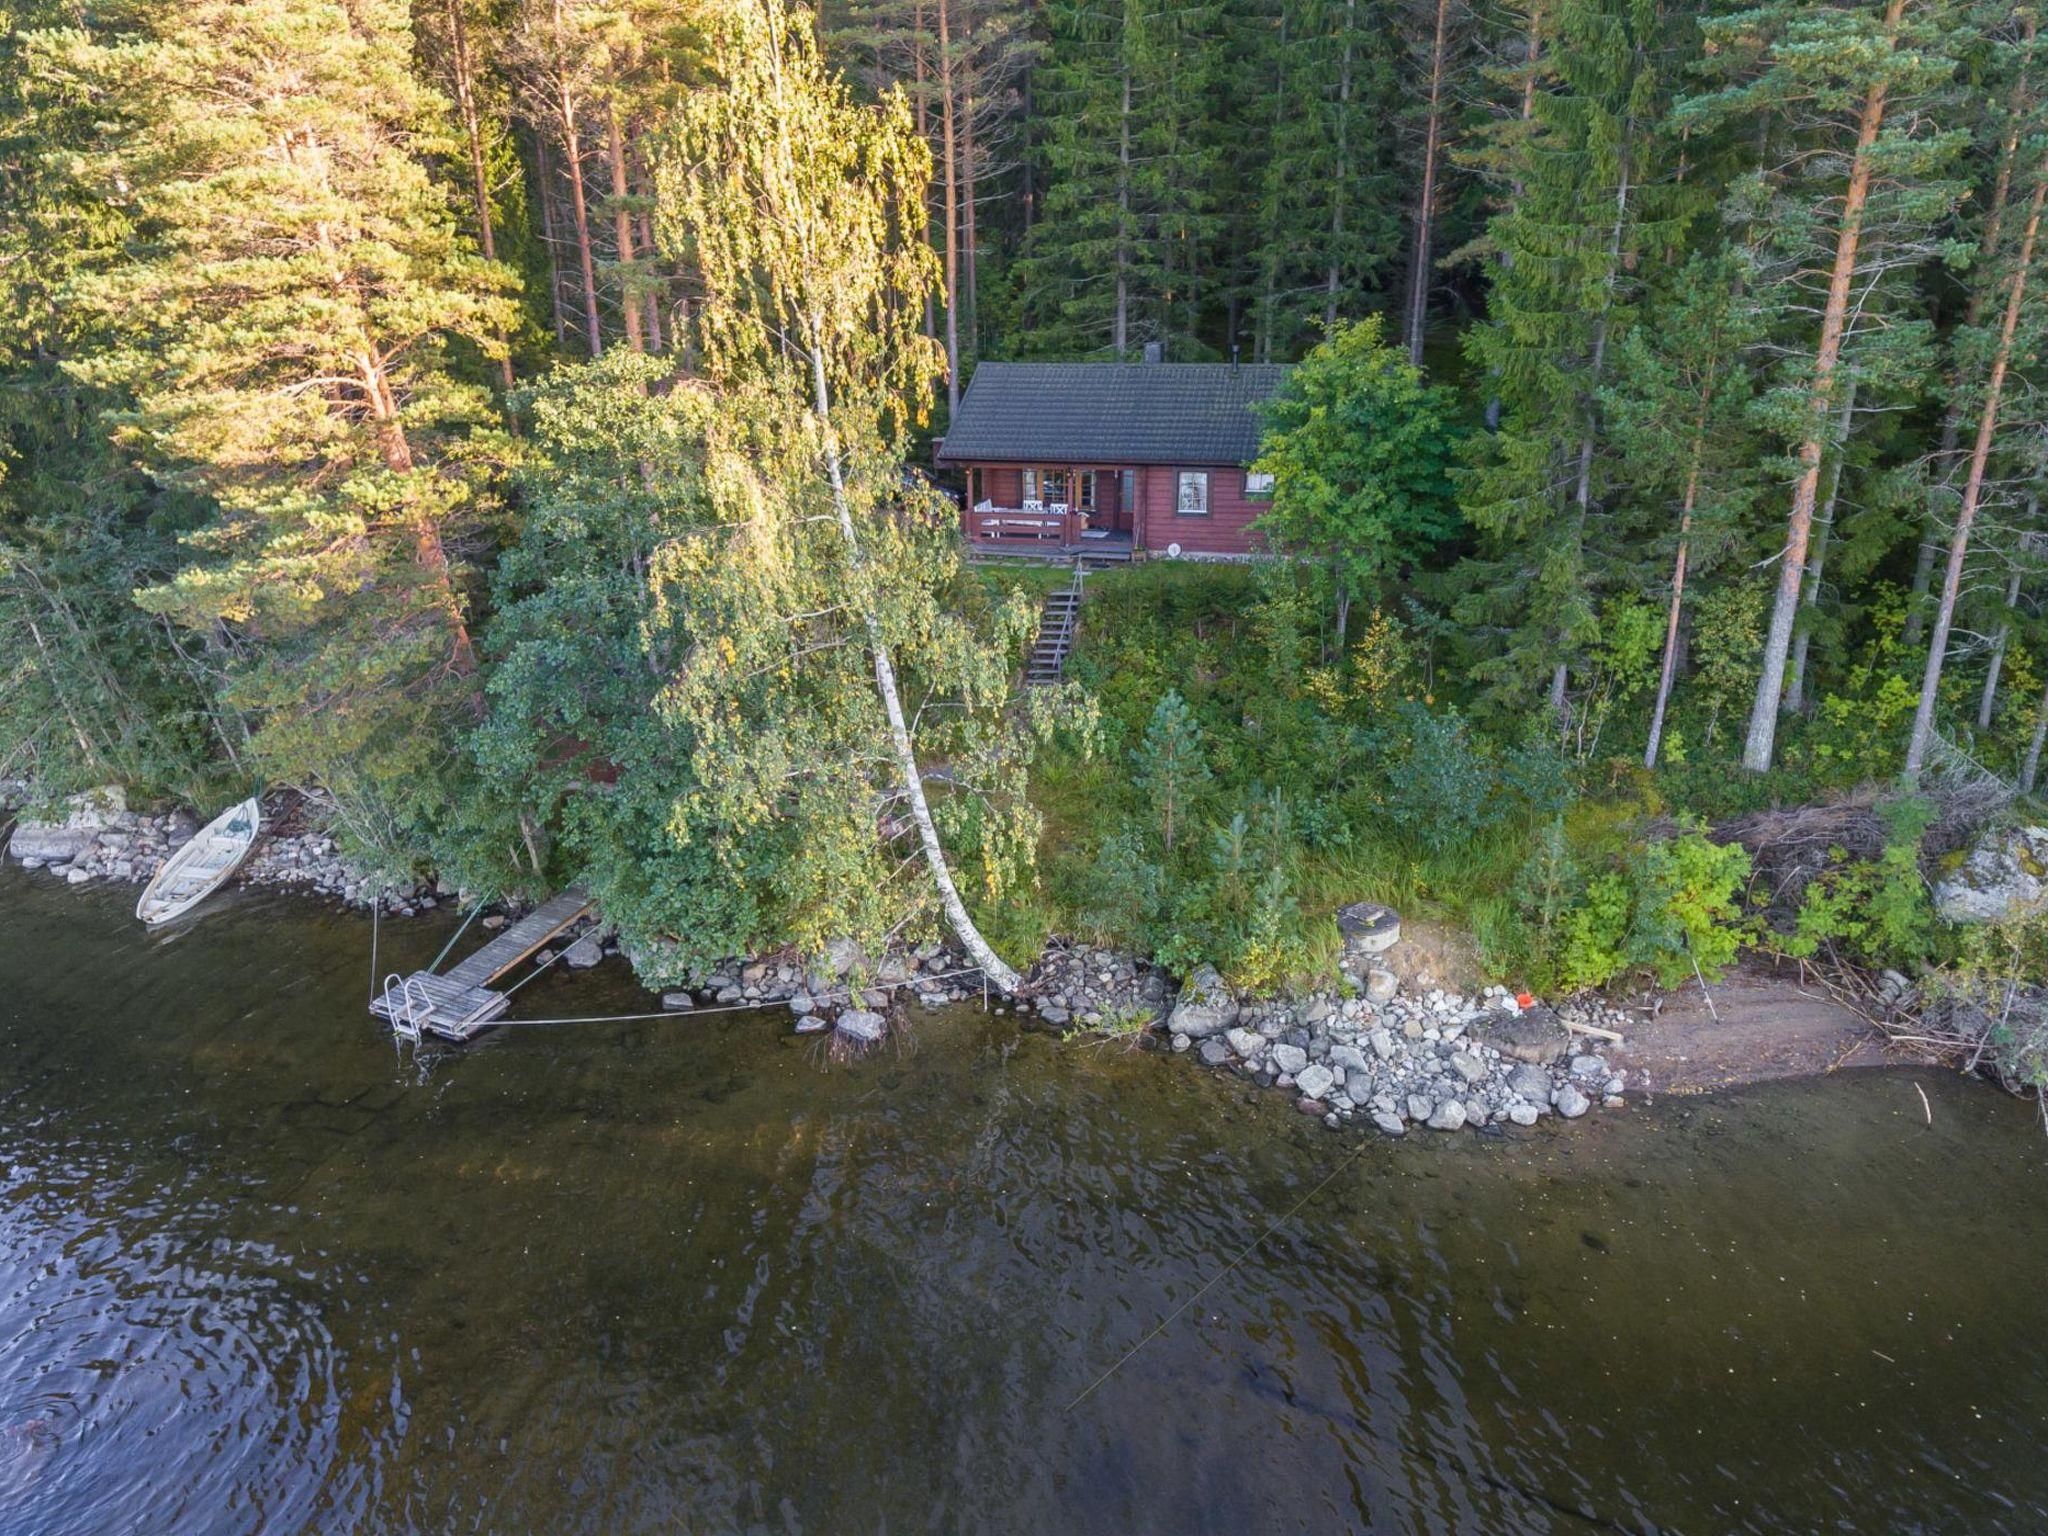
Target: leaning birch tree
[804,215]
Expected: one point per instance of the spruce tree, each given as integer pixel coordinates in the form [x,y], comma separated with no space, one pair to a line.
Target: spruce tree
[1596,203]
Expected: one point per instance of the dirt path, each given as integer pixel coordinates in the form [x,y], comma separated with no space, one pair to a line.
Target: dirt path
[1769,1027]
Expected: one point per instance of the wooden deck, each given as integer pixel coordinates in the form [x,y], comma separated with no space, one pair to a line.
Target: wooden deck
[459,1002]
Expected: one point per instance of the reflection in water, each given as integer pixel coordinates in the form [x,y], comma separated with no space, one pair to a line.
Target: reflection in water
[264,1273]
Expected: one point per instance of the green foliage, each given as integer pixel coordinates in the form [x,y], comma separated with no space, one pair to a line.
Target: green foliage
[1171,771]
[1360,451]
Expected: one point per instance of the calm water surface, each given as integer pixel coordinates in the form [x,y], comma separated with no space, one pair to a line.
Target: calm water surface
[261,1272]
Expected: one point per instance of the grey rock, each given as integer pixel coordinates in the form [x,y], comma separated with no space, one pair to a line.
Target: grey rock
[1449,1116]
[1535,1035]
[859,1024]
[1290,1058]
[812,1024]
[1589,1066]
[678,1002]
[2005,877]
[583,954]
[842,956]
[1420,1106]
[1467,1066]
[1389,1122]
[1381,985]
[1522,1114]
[802,1003]
[1214,1052]
[1314,1080]
[1246,1042]
[1181,1042]
[1053,1014]
[1349,1059]
[1569,1102]
[1205,1006]
[1532,1083]
[1383,1045]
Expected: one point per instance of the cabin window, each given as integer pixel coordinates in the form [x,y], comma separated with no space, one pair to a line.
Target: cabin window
[1031,485]
[1086,501]
[1257,486]
[1193,500]
[1054,483]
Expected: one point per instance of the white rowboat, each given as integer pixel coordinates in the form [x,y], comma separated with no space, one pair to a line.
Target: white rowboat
[203,865]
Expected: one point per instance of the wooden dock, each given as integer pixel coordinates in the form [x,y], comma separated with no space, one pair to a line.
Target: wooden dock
[459,1002]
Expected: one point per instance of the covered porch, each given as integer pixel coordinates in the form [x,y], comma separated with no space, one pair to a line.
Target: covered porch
[1038,509]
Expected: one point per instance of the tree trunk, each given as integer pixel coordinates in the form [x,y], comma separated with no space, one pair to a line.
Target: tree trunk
[1973,487]
[1973,312]
[1760,746]
[1120,328]
[992,964]
[1809,596]
[551,237]
[952,212]
[1678,564]
[1333,275]
[970,256]
[1532,52]
[1425,205]
[1987,704]
[428,549]
[622,233]
[579,213]
[2032,767]
[472,132]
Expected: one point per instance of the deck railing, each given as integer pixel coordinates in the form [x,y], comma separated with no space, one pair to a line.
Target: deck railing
[1055,521]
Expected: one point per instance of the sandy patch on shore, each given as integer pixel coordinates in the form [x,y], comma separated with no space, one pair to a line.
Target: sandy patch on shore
[1769,1026]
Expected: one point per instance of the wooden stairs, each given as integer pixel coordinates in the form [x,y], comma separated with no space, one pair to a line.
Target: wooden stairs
[1056,626]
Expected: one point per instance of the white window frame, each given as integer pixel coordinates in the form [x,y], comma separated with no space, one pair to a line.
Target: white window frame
[1257,486]
[1030,485]
[1180,493]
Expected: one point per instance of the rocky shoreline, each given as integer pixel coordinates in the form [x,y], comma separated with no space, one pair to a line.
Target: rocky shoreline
[1368,1052]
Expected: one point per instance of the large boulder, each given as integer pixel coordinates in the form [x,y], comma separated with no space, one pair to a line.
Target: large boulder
[1535,1035]
[85,817]
[1205,1006]
[2004,878]
[859,1025]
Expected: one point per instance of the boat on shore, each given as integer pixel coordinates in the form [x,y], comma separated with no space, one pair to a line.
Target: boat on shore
[203,865]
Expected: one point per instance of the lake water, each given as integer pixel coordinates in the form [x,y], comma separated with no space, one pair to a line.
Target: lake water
[262,1271]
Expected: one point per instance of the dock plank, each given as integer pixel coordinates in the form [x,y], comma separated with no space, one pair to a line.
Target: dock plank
[507,949]
[459,1003]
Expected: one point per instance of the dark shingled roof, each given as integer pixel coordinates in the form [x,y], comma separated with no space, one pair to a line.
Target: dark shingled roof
[1112,413]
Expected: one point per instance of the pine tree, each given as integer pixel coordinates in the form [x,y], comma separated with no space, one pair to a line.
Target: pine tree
[2015,334]
[1855,183]
[282,321]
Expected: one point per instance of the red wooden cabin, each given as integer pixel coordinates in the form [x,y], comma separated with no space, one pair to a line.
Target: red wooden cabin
[1105,459]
